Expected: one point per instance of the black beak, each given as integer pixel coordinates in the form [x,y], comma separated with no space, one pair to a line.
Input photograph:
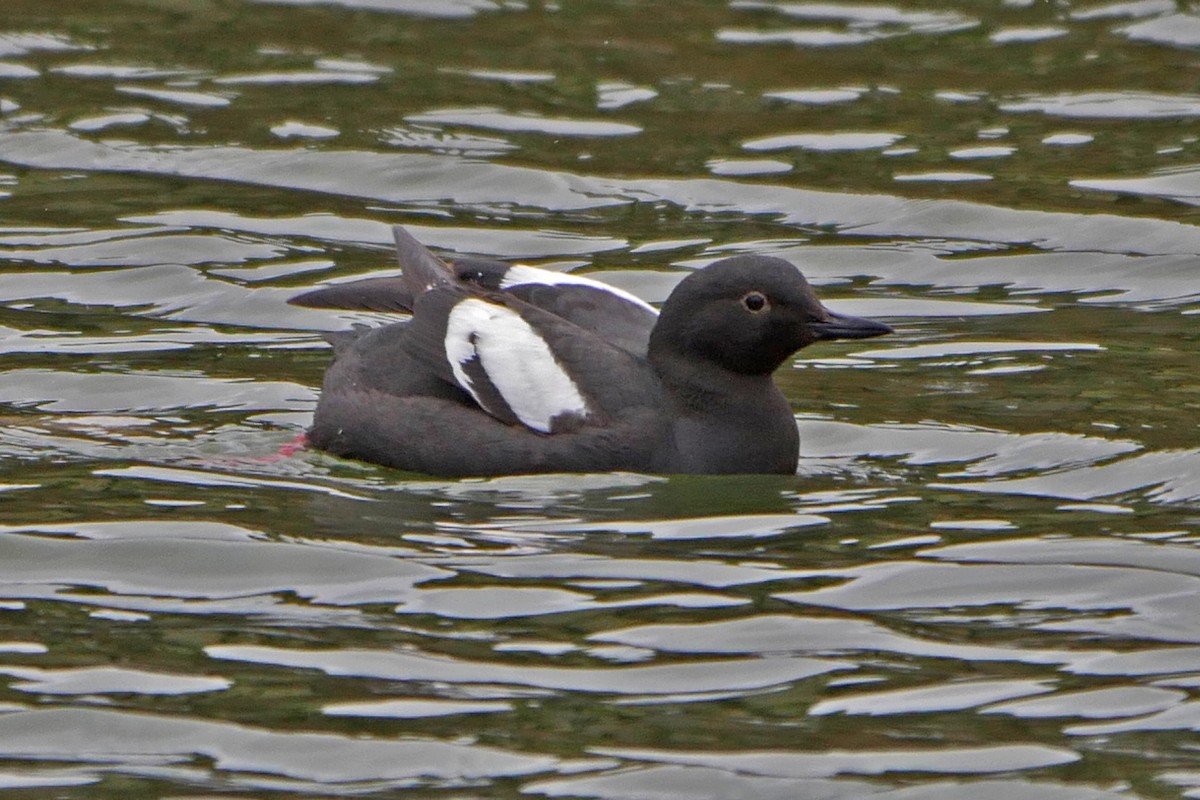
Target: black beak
[843,326]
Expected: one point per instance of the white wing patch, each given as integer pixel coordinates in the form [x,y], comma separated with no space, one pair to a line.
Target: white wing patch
[520,274]
[517,361]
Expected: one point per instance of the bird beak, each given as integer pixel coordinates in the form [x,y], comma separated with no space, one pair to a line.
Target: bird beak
[844,326]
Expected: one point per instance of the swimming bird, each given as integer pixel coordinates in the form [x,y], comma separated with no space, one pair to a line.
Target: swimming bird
[509,369]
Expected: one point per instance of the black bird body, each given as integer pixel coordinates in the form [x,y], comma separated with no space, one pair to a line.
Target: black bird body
[509,369]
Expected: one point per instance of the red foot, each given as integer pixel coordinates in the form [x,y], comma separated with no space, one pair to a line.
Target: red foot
[299,443]
[286,451]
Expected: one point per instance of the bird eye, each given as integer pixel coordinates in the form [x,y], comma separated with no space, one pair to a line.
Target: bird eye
[754,302]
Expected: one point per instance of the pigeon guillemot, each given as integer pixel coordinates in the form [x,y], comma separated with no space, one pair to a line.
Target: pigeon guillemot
[508,369]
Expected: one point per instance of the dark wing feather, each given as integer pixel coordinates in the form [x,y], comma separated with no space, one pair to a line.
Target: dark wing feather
[487,273]
[425,334]
[486,393]
[593,308]
[422,269]
[616,317]
[394,294]
[371,294]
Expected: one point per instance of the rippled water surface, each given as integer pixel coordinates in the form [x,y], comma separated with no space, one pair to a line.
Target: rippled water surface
[984,581]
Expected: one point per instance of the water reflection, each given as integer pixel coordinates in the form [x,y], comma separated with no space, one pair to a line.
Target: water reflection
[698,677]
[981,581]
[495,119]
[1108,105]
[140,742]
[446,9]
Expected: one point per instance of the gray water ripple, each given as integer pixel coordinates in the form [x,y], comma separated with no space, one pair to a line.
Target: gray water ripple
[778,633]
[727,675]
[698,783]
[982,452]
[1117,276]
[32,441]
[1101,275]
[304,77]
[1182,185]
[135,609]
[1123,9]
[437,9]
[1185,716]
[173,291]
[511,491]
[491,118]
[914,584]
[394,177]
[1171,476]
[101,122]
[22,43]
[133,529]
[210,569]
[100,393]
[1182,717]
[791,764]
[37,341]
[1175,30]
[800,37]
[1126,601]
[124,72]
[865,14]
[1006,790]
[703,572]
[109,680]
[1098,551]
[888,216]
[943,350]
[479,239]
[415,708]
[447,142]
[1167,617]
[149,249]
[1109,105]
[117,737]
[1147,662]
[706,783]
[714,527]
[66,238]
[1114,703]
[43,778]
[528,601]
[188,99]
[439,178]
[958,695]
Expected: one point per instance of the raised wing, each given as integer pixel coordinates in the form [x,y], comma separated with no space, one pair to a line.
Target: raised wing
[369,294]
[422,269]
[394,293]
[616,316]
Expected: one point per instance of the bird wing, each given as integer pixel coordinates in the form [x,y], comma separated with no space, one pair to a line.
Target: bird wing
[369,294]
[616,316]
[524,365]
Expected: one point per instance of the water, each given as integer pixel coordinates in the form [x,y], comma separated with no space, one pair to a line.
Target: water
[983,581]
